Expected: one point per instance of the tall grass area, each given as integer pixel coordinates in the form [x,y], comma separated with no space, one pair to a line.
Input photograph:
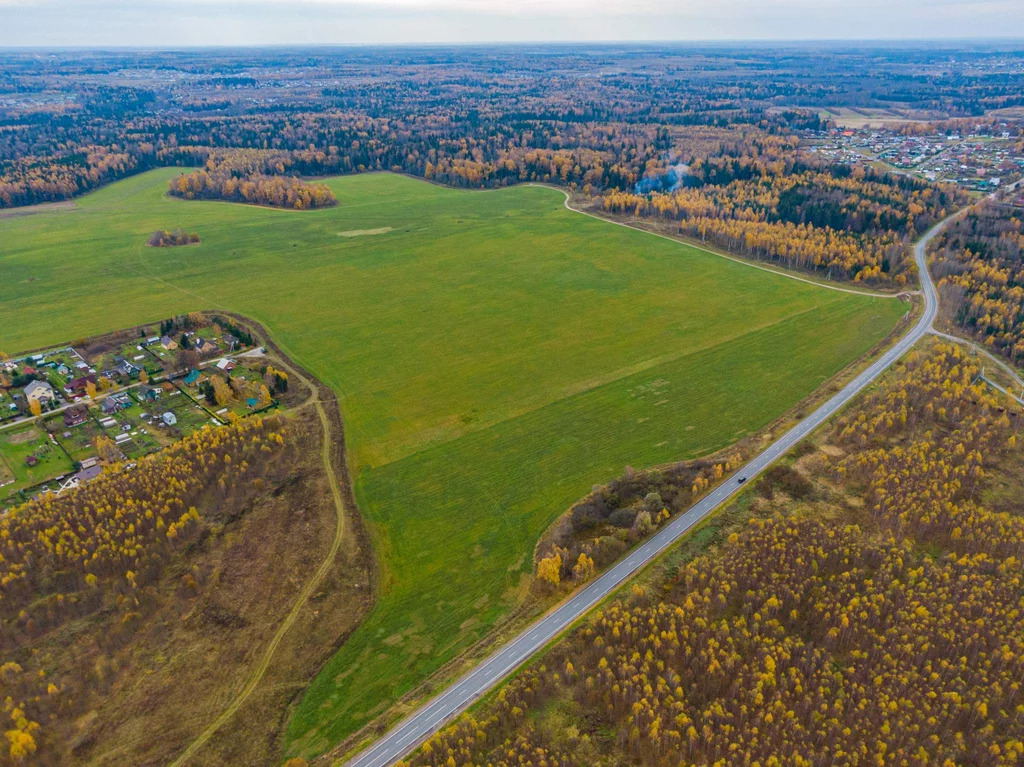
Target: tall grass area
[495,354]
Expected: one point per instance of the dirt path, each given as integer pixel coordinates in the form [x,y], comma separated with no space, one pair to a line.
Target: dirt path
[781,272]
[43,207]
[333,448]
[737,259]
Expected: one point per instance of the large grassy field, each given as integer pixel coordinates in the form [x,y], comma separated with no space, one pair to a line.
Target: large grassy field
[495,353]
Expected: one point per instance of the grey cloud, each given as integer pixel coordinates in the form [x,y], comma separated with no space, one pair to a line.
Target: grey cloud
[268,22]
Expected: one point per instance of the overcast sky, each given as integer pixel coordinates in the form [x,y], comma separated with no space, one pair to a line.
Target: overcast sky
[245,22]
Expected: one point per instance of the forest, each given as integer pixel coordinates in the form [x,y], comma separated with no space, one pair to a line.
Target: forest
[874,621]
[101,549]
[482,118]
[979,259]
[761,198]
[242,176]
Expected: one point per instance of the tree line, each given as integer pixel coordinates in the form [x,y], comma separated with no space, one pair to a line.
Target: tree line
[602,526]
[979,260]
[242,176]
[769,202]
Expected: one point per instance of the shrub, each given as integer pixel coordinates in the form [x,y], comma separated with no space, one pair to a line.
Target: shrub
[168,239]
[623,518]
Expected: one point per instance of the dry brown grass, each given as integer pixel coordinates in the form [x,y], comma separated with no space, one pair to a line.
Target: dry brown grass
[153,691]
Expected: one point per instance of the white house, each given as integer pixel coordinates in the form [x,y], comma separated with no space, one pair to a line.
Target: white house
[169,418]
[40,391]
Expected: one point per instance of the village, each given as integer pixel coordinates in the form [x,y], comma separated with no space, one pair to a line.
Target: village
[68,412]
[981,161]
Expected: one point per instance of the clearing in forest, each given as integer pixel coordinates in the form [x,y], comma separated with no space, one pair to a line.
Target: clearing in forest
[495,355]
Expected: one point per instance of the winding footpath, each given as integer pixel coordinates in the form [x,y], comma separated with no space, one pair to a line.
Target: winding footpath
[429,718]
[259,671]
[777,271]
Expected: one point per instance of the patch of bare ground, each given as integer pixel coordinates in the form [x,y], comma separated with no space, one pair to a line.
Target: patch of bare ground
[365,232]
[42,207]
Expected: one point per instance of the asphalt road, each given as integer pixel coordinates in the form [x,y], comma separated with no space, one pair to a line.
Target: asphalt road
[429,718]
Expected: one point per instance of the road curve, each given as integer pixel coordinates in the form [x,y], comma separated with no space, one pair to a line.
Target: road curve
[430,717]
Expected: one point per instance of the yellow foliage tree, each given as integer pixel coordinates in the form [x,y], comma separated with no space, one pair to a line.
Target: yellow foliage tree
[264,397]
[549,570]
[583,570]
[221,391]
[106,448]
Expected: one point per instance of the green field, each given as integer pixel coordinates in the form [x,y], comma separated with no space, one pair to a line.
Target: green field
[495,354]
[17,444]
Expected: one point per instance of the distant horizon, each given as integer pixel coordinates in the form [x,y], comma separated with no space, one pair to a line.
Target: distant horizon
[835,41]
[162,24]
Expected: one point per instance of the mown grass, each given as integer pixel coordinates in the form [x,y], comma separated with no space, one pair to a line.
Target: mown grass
[495,355]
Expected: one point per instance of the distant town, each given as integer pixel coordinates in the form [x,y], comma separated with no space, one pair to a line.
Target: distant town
[981,161]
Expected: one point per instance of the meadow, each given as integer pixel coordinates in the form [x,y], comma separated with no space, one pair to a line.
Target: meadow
[495,355]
